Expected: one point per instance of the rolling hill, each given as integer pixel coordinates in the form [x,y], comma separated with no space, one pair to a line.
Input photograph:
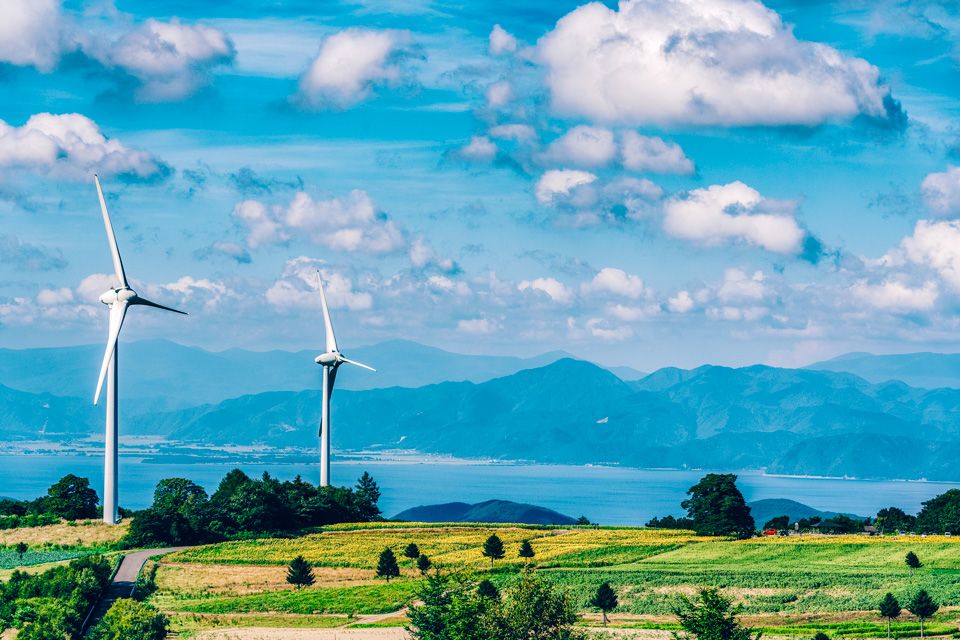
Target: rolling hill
[500,511]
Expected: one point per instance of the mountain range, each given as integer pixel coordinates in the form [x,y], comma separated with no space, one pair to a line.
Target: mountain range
[549,409]
[765,510]
[927,370]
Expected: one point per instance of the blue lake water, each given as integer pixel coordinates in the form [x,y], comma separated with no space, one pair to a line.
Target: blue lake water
[609,495]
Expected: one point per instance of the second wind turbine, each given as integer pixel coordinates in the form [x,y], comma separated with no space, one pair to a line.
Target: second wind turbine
[331,360]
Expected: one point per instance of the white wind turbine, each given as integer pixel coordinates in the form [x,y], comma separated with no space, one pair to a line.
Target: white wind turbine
[331,361]
[118,300]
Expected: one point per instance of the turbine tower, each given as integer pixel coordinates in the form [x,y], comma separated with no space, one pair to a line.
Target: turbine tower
[118,300]
[331,361]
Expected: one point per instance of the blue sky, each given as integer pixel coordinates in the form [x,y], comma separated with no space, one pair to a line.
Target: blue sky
[654,183]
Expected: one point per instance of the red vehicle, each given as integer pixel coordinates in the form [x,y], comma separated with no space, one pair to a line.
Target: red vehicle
[770,532]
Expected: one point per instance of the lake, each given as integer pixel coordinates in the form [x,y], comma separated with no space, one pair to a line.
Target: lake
[609,495]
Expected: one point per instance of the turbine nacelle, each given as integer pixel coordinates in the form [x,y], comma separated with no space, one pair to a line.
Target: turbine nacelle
[122,294]
[329,359]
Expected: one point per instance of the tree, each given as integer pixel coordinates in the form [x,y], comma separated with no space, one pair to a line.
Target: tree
[941,513]
[412,552]
[526,550]
[889,609]
[779,523]
[423,563]
[21,549]
[820,635]
[892,518]
[72,498]
[582,521]
[300,573]
[448,609]
[532,608]
[131,620]
[922,606]
[912,561]
[387,566]
[367,496]
[669,522]
[717,507]
[711,618]
[487,589]
[493,548]
[604,599]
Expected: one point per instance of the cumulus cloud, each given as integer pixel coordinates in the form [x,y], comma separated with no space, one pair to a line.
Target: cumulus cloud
[298,288]
[519,132]
[499,94]
[615,281]
[171,60]
[680,303]
[422,255]
[738,286]
[501,41]
[23,256]
[354,223]
[934,245]
[228,249]
[51,297]
[582,146]
[941,192]
[641,153]
[72,146]
[478,326]
[557,291]
[481,148]
[560,181]
[724,62]
[895,295]
[30,33]
[353,64]
[733,212]
[599,328]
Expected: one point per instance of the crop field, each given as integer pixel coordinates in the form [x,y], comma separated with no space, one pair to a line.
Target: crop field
[11,559]
[452,548]
[84,533]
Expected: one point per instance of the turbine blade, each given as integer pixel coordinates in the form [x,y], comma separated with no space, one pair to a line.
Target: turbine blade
[333,377]
[147,303]
[117,311]
[117,264]
[331,339]
[356,363]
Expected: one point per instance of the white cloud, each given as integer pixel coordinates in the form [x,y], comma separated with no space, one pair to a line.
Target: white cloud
[95,284]
[30,33]
[557,291]
[641,153]
[481,148]
[681,303]
[72,146]
[499,94]
[422,254]
[616,334]
[298,288]
[936,245]
[750,314]
[894,295]
[738,286]
[520,132]
[615,281]
[941,191]
[170,59]
[733,212]
[560,181]
[479,326]
[727,62]
[354,223]
[352,64]
[633,314]
[50,297]
[582,146]
[501,41]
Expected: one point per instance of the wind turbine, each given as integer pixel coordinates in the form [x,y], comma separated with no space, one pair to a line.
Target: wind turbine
[118,300]
[331,360]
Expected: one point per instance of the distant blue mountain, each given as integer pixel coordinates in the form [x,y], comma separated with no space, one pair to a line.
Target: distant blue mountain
[163,375]
[927,370]
[493,511]
[765,510]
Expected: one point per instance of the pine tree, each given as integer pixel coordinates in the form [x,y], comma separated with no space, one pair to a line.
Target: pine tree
[604,599]
[387,566]
[922,606]
[493,548]
[889,609]
[21,549]
[487,589]
[300,573]
[713,617]
[413,552]
[912,561]
[526,551]
[423,563]
[820,635]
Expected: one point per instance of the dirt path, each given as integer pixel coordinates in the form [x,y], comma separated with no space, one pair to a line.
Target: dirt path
[260,633]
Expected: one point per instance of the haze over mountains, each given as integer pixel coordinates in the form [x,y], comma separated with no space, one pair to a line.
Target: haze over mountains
[548,409]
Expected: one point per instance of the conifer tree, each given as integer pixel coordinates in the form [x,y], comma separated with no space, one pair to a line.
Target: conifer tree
[21,549]
[604,599]
[493,548]
[487,589]
[922,606]
[413,552]
[889,609]
[387,566]
[423,563]
[300,573]
[526,551]
[912,561]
